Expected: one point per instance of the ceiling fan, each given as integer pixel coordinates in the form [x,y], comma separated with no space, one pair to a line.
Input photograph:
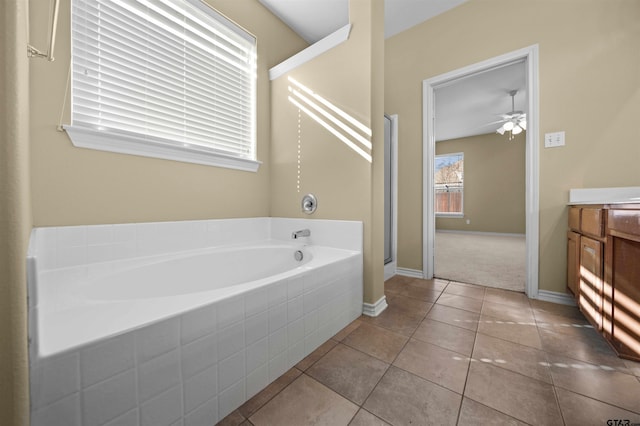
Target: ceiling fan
[513,122]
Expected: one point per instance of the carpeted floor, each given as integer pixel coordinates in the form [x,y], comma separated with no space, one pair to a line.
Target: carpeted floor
[490,260]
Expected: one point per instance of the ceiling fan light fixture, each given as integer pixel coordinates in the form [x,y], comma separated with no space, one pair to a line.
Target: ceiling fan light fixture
[515,122]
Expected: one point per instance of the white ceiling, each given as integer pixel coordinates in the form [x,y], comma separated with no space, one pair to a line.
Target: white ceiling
[311,19]
[464,107]
[468,106]
[315,19]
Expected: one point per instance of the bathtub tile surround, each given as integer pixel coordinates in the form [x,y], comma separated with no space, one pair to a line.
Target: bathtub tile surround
[191,366]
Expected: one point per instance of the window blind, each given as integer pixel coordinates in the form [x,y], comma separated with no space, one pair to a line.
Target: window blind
[173,72]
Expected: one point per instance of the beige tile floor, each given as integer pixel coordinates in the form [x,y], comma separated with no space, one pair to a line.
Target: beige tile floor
[446,353]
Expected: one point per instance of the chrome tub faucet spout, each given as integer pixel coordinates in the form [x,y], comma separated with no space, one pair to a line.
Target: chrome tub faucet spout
[300,233]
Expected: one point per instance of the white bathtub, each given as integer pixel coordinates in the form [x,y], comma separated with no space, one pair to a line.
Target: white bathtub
[162,335]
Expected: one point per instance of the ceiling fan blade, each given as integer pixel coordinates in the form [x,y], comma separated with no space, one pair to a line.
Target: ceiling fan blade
[494,122]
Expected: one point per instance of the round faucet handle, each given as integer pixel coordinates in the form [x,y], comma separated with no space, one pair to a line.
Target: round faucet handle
[309,203]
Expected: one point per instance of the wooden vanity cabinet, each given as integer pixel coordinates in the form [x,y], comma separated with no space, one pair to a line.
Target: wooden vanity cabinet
[585,260]
[622,282]
[603,271]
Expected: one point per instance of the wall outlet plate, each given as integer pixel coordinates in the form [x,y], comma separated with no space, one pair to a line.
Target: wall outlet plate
[553,140]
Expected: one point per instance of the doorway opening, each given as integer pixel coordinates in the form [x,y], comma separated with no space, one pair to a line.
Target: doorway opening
[529,56]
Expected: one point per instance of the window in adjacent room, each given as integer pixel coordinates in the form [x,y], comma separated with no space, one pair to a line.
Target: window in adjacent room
[449,184]
[165,78]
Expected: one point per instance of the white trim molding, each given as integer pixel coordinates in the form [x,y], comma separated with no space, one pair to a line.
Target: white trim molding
[530,56]
[134,145]
[489,234]
[375,309]
[413,273]
[389,270]
[391,267]
[316,49]
[394,187]
[555,297]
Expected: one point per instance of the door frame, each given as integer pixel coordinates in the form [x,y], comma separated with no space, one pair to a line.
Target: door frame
[390,268]
[531,57]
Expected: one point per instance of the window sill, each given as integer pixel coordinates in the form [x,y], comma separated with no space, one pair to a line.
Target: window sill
[451,215]
[125,144]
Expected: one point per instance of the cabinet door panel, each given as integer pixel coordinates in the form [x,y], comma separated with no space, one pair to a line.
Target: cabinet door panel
[625,280]
[590,299]
[573,262]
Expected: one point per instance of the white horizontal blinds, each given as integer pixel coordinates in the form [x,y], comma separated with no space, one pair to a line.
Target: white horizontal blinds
[173,71]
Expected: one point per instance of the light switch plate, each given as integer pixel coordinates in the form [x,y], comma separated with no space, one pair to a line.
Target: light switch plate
[553,140]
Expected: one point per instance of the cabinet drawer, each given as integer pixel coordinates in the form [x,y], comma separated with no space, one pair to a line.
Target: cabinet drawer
[627,221]
[574,219]
[592,222]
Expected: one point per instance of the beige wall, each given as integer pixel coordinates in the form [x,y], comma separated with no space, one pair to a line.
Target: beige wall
[494,184]
[73,186]
[589,87]
[15,212]
[347,186]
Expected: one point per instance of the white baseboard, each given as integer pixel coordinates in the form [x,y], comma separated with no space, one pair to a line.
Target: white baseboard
[555,297]
[389,270]
[413,273]
[495,234]
[373,310]
[544,295]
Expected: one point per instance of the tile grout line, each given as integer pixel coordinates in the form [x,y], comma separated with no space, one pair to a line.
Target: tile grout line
[466,379]
[411,336]
[527,346]
[553,385]
[597,400]
[472,359]
[394,359]
[462,396]
[390,364]
[546,356]
[276,394]
[357,350]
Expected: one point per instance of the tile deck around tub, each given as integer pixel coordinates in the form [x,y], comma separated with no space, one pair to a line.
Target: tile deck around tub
[473,357]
